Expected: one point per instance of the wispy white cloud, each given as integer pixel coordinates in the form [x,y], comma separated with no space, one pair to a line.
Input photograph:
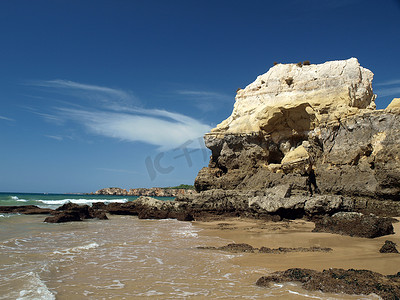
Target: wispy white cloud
[203,94]
[49,117]
[388,88]
[6,119]
[54,137]
[118,119]
[72,85]
[394,91]
[206,101]
[164,129]
[389,82]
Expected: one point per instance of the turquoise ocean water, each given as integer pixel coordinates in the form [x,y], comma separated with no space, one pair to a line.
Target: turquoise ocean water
[56,200]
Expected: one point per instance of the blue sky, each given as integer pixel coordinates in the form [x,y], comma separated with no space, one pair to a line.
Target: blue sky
[119,93]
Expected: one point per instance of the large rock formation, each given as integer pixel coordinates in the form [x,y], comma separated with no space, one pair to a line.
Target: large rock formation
[312,129]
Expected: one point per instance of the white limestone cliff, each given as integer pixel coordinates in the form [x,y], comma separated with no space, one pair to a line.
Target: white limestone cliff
[304,95]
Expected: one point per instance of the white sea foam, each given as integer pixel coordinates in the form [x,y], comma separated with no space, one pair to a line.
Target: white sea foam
[151,293]
[77,249]
[14,197]
[35,288]
[81,201]
[115,285]
[21,200]
[8,215]
[303,294]
[187,232]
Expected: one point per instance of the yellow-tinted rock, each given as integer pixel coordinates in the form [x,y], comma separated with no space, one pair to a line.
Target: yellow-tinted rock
[394,106]
[296,155]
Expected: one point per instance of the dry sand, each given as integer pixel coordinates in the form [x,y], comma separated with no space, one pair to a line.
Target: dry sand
[348,252]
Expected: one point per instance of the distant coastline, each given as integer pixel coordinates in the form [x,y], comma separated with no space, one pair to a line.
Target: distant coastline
[182,189]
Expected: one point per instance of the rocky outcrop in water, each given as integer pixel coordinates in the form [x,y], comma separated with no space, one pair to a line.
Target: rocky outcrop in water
[24,209]
[71,212]
[304,140]
[353,282]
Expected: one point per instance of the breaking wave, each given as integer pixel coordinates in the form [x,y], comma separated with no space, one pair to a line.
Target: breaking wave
[81,201]
[77,249]
[35,288]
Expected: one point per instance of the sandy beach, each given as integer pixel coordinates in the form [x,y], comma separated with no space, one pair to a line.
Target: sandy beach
[348,252]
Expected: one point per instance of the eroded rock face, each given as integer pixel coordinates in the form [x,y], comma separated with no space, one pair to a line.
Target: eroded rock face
[313,127]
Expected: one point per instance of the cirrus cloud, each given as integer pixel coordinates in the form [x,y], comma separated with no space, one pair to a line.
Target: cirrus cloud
[120,120]
[164,129]
[388,88]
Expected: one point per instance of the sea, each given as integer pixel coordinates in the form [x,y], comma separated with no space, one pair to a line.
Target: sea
[122,258]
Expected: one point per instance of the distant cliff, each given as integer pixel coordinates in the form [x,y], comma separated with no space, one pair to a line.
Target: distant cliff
[151,192]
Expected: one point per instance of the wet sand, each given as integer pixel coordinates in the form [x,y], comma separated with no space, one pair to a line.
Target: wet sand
[348,252]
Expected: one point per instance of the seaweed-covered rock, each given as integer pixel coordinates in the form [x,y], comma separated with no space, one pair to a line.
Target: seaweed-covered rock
[238,248]
[63,217]
[296,249]
[389,247]
[70,212]
[355,224]
[25,209]
[339,281]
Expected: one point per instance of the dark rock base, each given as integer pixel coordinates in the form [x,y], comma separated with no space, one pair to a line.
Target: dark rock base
[389,247]
[25,209]
[355,224]
[241,248]
[70,212]
[339,281]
